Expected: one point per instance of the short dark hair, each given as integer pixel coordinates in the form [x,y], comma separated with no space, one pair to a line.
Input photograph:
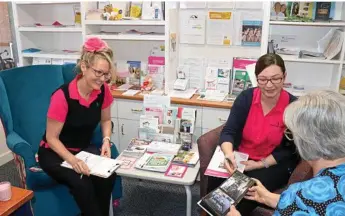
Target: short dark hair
[268,60]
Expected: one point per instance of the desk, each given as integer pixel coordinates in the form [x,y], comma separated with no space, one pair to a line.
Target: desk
[19,197]
[187,180]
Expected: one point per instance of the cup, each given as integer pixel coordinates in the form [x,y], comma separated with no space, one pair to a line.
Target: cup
[5,191]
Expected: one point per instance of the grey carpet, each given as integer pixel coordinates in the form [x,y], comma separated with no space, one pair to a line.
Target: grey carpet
[140,198]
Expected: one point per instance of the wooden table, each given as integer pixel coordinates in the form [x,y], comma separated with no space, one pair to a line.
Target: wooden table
[19,198]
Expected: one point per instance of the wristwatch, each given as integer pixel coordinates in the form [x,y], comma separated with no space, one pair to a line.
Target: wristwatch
[265,163]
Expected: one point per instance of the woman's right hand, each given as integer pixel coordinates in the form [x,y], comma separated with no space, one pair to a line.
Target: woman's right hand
[230,162]
[79,166]
[258,193]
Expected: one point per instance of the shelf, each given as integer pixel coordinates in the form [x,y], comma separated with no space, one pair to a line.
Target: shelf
[126,22]
[52,55]
[320,24]
[130,37]
[46,2]
[293,58]
[50,29]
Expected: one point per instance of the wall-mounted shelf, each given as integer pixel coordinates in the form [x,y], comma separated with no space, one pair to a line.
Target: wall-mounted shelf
[126,22]
[320,24]
[292,58]
[50,29]
[51,55]
[130,37]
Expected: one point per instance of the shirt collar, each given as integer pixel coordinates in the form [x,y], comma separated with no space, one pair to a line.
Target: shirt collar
[281,103]
[73,90]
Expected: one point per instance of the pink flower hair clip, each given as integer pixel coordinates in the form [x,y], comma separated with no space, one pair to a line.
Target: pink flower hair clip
[94,44]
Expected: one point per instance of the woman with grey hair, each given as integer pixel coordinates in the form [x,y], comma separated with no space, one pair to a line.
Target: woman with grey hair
[317,125]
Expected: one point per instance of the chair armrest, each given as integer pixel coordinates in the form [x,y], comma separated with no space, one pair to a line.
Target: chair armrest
[20,147]
[207,143]
[302,172]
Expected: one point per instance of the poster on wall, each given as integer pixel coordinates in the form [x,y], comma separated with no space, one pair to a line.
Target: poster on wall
[192,27]
[220,28]
[251,33]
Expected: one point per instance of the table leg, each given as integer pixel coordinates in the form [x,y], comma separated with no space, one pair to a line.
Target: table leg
[189,200]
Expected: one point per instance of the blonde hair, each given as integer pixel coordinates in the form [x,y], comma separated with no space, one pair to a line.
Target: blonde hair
[89,58]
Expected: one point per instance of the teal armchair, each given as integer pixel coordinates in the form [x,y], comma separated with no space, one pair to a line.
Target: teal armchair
[25,95]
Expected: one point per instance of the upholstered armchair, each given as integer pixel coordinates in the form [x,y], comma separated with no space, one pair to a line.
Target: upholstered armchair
[207,144]
[25,95]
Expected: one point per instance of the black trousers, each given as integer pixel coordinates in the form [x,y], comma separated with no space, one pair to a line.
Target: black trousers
[91,193]
[273,178]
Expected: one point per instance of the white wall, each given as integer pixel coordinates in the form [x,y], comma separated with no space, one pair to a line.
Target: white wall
[5,153]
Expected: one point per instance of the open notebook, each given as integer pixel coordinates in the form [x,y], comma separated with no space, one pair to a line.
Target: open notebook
[99,166]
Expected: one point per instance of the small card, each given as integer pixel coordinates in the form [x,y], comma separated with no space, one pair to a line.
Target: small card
[176,171]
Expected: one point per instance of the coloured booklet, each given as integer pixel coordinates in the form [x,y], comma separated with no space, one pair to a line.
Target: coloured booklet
[216,166]
[231,192]
[154,162]
[99,166]
[187,158]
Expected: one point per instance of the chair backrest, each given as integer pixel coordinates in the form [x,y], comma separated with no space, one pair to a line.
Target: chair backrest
[28,90]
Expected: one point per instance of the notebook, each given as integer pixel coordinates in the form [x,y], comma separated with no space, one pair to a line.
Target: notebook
[99,166]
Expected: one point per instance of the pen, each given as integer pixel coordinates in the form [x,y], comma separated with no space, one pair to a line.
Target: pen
[81,176]
[230,163]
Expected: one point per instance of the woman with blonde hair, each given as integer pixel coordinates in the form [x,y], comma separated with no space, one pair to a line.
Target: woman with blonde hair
[74,112]
[316,123]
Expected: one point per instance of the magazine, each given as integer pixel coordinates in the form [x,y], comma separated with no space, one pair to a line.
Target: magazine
[216,166]
[136,148]
[188,158]
[241,79]
[154,162]
[251,32]
[231,192]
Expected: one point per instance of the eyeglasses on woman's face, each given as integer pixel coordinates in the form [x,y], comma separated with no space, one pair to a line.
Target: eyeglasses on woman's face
[288,134]
[98,73]
[273,80]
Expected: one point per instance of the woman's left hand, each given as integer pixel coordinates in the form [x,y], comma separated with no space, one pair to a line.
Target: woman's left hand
[106,151]
[233,212]
[252,165]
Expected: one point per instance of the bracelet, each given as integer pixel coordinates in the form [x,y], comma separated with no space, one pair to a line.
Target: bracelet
[106,138]
[264,162]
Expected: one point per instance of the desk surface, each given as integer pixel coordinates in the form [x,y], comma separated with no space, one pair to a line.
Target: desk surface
[19,197]
[192,102]
[188,178]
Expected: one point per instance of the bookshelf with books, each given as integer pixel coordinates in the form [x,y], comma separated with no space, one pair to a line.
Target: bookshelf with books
[310,38]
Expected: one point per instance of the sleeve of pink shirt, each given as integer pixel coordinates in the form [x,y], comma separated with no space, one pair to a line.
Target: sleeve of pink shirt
[58,106]
[108,97]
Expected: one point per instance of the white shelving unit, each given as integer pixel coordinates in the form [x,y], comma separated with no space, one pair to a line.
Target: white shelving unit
[49,39]
[309,72]
[312,73]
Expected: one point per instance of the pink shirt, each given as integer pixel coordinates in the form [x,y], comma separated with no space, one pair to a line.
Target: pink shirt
[58,107]
[262,134]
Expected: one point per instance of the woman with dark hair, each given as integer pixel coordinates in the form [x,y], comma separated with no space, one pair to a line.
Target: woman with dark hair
[255,126]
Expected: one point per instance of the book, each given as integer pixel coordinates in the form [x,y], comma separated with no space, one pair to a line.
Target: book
[126,162]
[230,192]
[187,158]
[156,162]
[241,79]
[99,166]
[163,147]
[176,171]
[136,148]
[216,166]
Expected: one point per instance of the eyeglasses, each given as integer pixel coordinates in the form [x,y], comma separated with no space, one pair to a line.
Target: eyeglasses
[99,73]
[288,134]
[263,81]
